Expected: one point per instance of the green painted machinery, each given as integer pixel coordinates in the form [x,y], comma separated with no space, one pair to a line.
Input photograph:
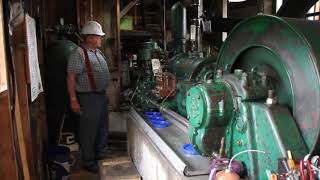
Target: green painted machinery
[57,98]
[192,66]
[265,94]
[189,69]
[145,82]
[146,50]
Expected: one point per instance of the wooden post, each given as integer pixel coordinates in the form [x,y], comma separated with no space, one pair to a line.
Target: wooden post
[118,54]
[22,91]
[8,167]
[267,6]
[22,145]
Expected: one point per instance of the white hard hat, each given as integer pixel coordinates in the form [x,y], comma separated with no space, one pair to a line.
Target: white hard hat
[92,27]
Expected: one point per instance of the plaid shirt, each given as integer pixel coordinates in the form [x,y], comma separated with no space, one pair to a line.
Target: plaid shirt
[76,64]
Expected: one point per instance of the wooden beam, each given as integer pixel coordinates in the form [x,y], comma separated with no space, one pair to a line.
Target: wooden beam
[267,6]
[8,166]
[22,80]
[22,145]
[127,8]
[118,55]
[83,11]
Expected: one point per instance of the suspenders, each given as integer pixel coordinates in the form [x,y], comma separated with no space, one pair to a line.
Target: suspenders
[89,69]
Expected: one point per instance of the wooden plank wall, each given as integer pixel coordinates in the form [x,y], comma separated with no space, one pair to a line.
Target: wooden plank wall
[22,91]
[8,167]
[54,10]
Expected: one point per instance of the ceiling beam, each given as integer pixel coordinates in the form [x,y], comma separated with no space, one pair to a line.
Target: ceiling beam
[127,8]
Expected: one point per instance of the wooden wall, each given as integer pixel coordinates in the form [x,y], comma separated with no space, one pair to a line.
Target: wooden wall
[13,160]
[31,117]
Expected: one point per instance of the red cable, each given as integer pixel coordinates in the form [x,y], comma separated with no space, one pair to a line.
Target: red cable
[310,172]
[301,167]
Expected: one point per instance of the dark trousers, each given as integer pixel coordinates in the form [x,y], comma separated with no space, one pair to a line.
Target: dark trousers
[93,125]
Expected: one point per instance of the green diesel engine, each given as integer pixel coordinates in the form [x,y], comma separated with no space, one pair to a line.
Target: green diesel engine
[168,88]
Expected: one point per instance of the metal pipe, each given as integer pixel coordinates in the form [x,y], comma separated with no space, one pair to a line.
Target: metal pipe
[197,6]
[182,120]
[164,33]
[157,105]
[91,10]
[179,26]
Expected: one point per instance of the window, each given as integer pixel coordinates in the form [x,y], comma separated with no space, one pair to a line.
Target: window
[3,71]
[278,5]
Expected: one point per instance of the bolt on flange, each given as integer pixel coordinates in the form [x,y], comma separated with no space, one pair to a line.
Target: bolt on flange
[271,97]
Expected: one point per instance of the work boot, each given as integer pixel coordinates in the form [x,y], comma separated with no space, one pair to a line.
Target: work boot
[91,167]
[103,153]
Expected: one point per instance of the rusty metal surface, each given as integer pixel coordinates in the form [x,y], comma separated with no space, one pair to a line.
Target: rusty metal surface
[166,85]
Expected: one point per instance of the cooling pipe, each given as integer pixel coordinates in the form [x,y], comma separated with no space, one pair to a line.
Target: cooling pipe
[182,120]
[179,26]
[195,29]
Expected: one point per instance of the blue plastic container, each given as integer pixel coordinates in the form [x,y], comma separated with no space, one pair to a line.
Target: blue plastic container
[158,118]
[188,149]
[159,124]
[152,116]
[155,113]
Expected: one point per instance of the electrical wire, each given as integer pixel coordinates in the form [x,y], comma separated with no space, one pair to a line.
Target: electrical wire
[246,151]
[170,93]
[134,93]
[303,177]
[233,157]
[211,173]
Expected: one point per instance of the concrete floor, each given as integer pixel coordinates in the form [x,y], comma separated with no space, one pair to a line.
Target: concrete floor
[118,121]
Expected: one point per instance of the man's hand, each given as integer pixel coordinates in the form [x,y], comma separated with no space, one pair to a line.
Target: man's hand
[71,83]
[107,99]
[75,106]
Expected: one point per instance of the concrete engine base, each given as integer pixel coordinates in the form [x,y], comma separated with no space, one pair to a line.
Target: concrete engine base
[157,153]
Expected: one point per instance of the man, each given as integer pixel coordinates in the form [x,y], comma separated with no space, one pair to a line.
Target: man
[87,81]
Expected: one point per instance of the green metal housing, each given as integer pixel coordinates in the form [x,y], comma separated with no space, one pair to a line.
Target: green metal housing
[146,50]
[268,97]
[189,69]
[191,66]
[57,98]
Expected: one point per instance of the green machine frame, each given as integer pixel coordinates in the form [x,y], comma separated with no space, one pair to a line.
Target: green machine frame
[267,97]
